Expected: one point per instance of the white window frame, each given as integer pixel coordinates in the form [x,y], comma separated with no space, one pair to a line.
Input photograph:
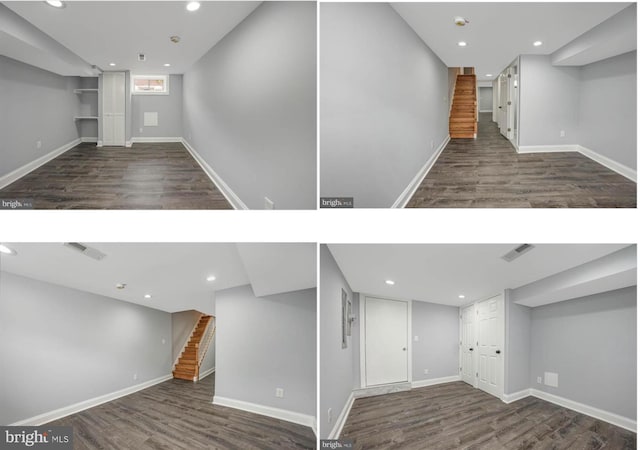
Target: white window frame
[164,77]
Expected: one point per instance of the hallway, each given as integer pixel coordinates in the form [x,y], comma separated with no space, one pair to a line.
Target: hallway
[487,172]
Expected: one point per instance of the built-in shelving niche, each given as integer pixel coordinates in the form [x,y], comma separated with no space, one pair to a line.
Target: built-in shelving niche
[88,112]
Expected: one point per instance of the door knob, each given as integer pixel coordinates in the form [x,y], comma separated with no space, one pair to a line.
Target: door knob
[404,349]
[498,352]
[470,349]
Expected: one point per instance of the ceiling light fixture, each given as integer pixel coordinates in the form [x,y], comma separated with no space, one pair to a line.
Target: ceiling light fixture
[460,296]
[7,251]
[462,44]
[460,21]
[55,3]
[390,282]
[537,43]
[167,65]
[489,75]
[112,64]
[121,285]
[211,278]
[193,6]
[147,295]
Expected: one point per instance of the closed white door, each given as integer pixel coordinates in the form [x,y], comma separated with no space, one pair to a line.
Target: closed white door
[490,325]
[113,108]
[386,349]
[502,107]
[468,343]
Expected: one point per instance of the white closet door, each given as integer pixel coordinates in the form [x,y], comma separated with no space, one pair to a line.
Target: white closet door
[490,345]
[468,327]
[113,108]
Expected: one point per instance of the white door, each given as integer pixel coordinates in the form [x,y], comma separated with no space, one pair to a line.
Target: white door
[113,108]
[513,104]
[386,343]
[502,106]
[490,325]
[468,343]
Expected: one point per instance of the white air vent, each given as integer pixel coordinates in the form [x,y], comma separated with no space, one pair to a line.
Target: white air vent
[85,250]
[517,252]
[142,57]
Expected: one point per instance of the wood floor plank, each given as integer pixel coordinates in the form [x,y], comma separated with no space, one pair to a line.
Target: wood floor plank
[488,173]
[145,176]
[457,416]
[178,414]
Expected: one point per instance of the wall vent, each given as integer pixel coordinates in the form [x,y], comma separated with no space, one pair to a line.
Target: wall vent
[517,252]
[85,250]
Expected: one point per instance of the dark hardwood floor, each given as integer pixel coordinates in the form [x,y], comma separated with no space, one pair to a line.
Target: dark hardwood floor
[145,176]
[457,416]
[178,415]
[487,172]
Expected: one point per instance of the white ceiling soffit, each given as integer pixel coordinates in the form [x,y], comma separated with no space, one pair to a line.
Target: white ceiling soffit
[174,274]
[104,32]
[499,32]
[439,273]
[277,268]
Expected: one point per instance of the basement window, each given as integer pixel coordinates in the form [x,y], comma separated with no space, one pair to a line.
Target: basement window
[150,84]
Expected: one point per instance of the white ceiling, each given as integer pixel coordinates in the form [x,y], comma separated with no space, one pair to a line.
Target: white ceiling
[174,274]
[499,32]
[101,32]
[438,273]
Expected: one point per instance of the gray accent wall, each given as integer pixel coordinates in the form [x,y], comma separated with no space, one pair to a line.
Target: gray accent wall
[264,343]
[438,331]
[337,363]
[485,98]
[607,115]
[549,102]
[36,106]
[517,345]
[168,107]
[250,106]
[66,346]
[383,102]
[591,343]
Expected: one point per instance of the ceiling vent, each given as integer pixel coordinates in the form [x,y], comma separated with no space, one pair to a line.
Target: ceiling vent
[142,57]
[517,252]
[85,250]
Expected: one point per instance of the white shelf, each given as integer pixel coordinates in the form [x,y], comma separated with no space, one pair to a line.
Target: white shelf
[81,91]
[85,117]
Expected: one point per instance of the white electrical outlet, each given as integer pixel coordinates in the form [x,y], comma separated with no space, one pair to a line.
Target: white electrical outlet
[562,133]
[279,392]
[426,371]
[539,380]
[38,144]
[329,415]
[268,204]
[135,376]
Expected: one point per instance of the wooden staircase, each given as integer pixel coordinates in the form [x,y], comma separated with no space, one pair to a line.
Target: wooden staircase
[463,120]
[188,366]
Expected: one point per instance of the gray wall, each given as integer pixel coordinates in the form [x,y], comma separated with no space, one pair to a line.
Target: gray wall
[264,343]
[250,106]
[591,343]
[607,115]
[336,363]
[383,101]
[66,346]
[517,345]
[438,331]
[88,107]
[182,324]
[485,98]
[168,107]
[549,100]
[36,105]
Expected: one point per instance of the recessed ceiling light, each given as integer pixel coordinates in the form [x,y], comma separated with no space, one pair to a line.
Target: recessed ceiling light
[147,295]
[112,64]
[537,43]
[462,44]
[7,251]
[211,278]
[55,3]
[489,75]
[460,296]
[390,282]
[193,6]
[167,65]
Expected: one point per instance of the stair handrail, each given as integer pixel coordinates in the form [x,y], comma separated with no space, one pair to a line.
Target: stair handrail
[206,340]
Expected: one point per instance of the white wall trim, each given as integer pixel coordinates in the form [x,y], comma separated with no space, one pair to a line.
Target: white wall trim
[231,197]
[342,418]
[142,139]
[510,398]
[20,172]
[89,139]
[128,144]
[276,413]
[382,389]
[434,381]
[615,419]
[81,406]
[411,189]
[609,163]
[99,143]
[207,372]
[547,148]
[486,110]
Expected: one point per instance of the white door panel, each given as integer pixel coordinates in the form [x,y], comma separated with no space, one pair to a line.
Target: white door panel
[113,108]
[468,372]
[490,323]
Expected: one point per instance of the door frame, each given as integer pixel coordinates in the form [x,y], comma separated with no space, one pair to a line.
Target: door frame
[363,366]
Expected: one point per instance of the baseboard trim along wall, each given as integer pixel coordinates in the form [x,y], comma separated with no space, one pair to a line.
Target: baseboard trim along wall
[231,197]
[144,139]
[382,389]
[609,163]
[434,381]
[411,189]
[206,372]
[276,413]
[342,418]
[510,398]
[89,139]
[81,406]
[20,172]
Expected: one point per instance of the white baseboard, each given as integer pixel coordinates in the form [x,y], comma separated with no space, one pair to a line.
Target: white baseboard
[486,110]
[342,418]
[128,144]
[382,389]
[434,381]
[144,139]
[89,139]
[609,163]
[20,172]
[99,143]
[276,413]
[231,197]
[547,148]
[411,189]
[206,372]
[81,406]
[510,398]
